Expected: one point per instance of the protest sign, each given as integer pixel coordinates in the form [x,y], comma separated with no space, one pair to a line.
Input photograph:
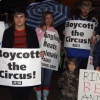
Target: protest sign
[2,28]
[90,63]
[89,85]
[78,34]
[50,44]
[20,67]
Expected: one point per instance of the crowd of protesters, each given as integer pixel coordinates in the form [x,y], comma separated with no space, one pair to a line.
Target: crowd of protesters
[71,59]
[69,89]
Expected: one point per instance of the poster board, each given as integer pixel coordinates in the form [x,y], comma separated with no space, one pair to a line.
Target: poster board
[78,34]
[2,28]
[50,44]
[89,85]
[20,67]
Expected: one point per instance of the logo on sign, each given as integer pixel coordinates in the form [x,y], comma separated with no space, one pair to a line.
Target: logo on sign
[16,82]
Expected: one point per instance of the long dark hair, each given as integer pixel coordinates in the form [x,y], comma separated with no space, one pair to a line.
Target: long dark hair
[44,17]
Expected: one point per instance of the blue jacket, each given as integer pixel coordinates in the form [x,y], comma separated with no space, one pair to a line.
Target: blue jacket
[96,55]
[80,53]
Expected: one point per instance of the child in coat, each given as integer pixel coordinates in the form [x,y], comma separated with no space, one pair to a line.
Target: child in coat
[68,82]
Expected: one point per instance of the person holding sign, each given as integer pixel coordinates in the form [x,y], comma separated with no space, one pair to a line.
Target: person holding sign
[68,82]
[20,36]
[75,51]
[47,23]
[96,56]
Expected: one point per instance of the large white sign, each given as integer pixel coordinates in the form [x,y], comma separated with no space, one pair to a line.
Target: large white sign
[78,34]
[2,28]
[20,67]
[89,85]
[51,48]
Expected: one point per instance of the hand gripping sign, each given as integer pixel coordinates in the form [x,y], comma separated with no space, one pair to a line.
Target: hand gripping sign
[20,67]
[78,34]
[2,28]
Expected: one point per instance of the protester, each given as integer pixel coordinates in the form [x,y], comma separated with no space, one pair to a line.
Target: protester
[83,54]
[68,82]
[47,23]
[96,56]
[20,36]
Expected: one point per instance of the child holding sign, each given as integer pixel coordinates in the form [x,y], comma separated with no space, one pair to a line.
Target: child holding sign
[68,82]
[47,23]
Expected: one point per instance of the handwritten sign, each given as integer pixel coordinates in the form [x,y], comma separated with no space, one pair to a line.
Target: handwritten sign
[78,34]
[89,85]
[20,67]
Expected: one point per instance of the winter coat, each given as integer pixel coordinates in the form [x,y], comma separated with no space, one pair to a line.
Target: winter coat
[31,38]
[68,83]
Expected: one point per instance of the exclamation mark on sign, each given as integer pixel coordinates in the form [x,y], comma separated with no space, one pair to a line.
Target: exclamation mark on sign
[34,74]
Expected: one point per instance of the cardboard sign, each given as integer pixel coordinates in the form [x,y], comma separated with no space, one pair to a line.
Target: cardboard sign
[78,34]
[20,67]
[2,28]
[51,47]
[89,85]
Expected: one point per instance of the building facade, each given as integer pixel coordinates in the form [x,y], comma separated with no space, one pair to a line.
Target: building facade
[7,6]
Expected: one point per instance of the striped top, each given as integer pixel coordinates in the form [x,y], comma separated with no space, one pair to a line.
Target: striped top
[20,39]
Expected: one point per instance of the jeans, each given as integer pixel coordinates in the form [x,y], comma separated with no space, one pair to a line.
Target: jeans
[46,77]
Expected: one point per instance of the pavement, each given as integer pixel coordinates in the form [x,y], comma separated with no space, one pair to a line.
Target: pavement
[54,90]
